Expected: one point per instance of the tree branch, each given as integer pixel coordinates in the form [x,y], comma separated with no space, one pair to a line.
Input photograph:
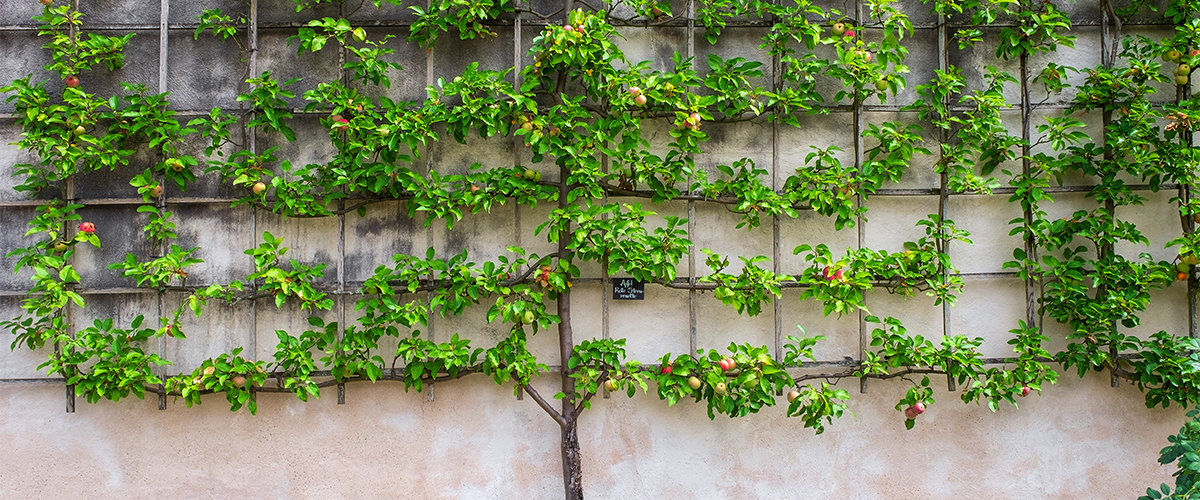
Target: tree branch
[537,398]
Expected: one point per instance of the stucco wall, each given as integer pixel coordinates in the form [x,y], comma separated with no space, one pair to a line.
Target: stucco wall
[469,438]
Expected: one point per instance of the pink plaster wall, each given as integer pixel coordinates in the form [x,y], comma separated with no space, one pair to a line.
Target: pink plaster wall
[1081,439]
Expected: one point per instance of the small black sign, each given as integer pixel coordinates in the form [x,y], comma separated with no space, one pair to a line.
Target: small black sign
[628,289]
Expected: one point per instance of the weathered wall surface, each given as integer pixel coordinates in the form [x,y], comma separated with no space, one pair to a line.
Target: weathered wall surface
[472,439]
[1080,439]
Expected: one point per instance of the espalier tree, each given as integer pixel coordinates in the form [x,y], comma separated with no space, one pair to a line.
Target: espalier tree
[584,113]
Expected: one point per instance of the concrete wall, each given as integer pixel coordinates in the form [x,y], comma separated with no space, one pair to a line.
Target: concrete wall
[470,438]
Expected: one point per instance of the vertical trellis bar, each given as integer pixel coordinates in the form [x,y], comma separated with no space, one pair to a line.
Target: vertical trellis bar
[691,205]
[516,140]
[943,56]
[776,302]
[341,226]
[252,145]
[69,194]
[863,341]
[163,34]
[1106,60]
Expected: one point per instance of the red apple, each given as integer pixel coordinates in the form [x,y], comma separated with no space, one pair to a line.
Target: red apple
[634,91]
[1194,52]
[156,191]
[258,187]
[71,81]
[793,396]
[909,413]
[239,381]
[667,369]
[1025,390]
[918,407]
[727,364]
[640,100]
[46,2]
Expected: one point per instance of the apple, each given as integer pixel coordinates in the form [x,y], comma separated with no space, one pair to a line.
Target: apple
[610,385]
[1173,55]
[1025,390]
[919,407]
[71,81]
[634,91]
[530,174]
[239,381]
[79,130]
[1182,268]
[1183,69]
[1181,276]
[720,388]
[1189,259]
[209,370]
[848,34]
[360,35]
[881,85]
[694,119]
[1193,53]
[640,100]
[60,246]
[667,369]
[793,396]
[568,28]
[258,187]
[527,126]
[838,275]
[87,227]
[694,383]
[527,318]
[727,364]
[46,2]
[909,413]
[838,29]
[156,191]
[1181,79]
[175,164]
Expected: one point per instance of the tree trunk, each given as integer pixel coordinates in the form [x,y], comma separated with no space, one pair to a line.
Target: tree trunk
[572,461]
